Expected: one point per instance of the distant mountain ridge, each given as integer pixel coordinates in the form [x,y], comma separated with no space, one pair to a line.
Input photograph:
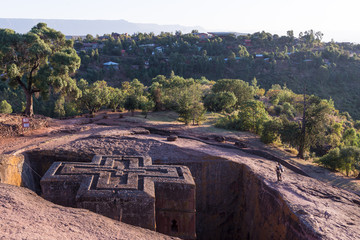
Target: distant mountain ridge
[100,27]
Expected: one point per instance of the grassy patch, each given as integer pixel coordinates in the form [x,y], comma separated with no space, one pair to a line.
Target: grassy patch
[166,116]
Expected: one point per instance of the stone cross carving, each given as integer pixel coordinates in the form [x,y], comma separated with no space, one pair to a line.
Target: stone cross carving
[128,189]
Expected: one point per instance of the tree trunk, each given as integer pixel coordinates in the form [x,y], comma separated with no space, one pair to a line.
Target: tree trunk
[301,149]
[303,130]
[29,111]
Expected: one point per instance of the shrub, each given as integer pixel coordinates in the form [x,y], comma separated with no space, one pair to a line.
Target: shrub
[292,151]
[345,158]
[270,131]
[289,110]
[251,117]
[5,107]
[331,160]
[229,122]
[72,109]
[220,101]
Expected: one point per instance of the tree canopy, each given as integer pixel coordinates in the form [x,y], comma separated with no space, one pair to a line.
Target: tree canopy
[40,61]
[241,89]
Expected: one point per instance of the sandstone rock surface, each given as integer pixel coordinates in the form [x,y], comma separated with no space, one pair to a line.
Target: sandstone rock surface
[11,169]
[238,196]
[25,215]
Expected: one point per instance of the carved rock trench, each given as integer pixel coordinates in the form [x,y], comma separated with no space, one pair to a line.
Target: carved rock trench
[231,201]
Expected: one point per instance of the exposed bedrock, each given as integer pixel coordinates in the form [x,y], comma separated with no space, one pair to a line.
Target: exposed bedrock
[40,161]
[10,169]
[232,202]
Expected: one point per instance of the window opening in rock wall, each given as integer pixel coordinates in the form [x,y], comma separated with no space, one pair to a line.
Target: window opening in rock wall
[174,226]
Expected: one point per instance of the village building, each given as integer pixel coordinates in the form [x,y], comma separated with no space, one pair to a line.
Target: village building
[111,65]
[204,35]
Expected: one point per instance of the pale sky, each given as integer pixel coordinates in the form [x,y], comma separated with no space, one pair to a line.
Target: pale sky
[338,20]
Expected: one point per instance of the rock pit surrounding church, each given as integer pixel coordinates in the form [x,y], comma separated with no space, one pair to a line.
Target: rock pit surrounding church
[237,195]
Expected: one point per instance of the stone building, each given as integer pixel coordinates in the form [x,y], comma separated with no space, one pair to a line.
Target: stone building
[129,189]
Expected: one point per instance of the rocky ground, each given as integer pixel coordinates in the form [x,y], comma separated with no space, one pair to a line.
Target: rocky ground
[330,211]
[25,215]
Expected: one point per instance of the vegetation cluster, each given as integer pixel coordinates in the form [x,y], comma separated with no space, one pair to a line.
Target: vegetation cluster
[325,69]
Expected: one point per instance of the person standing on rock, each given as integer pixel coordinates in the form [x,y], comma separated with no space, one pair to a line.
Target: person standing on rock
[279,170]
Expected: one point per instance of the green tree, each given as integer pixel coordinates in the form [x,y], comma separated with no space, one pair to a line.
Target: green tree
[314,122]
[350,157]
[94,96]
[190,105]
[198,113]
[190,110]
[345,158]
[331,159]
[243,51]
[288,110]
[146,105]
[116,98]
[350,137]
[136,88]
[132,103]
[220,101]
[254,85]
[89,38]
[156,94]
[166,92]
[242,91]
[59,109]
[72,108]
[38,61]
[335,135]
[290,132]
[5,107]
[271,129]
[252,116]
[134,92]
[290,35]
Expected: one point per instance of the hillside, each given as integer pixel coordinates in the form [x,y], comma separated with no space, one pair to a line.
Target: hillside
[304,63]
[328,70]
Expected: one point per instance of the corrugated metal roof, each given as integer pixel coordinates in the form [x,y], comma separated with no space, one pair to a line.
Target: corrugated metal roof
[111,64]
